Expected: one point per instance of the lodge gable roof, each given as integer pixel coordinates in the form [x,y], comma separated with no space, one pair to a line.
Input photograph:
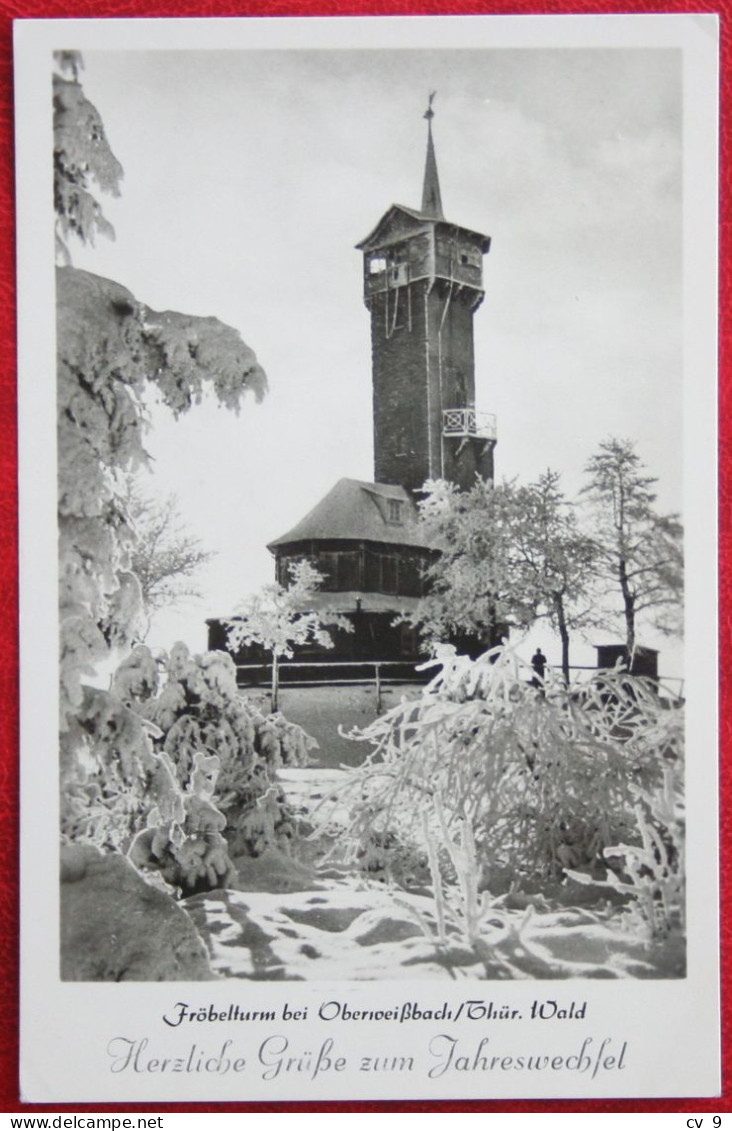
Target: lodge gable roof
[354,510]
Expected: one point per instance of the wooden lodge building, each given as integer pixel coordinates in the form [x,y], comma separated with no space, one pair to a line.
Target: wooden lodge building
[423,283]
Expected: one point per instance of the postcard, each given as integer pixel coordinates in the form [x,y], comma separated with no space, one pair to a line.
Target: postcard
[367,416]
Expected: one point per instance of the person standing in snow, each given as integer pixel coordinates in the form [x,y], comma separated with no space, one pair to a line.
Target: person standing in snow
[538,663]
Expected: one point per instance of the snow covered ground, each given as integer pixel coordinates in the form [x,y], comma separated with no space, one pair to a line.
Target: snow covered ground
[331,925]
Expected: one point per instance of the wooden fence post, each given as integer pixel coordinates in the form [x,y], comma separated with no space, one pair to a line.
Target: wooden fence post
[275,683]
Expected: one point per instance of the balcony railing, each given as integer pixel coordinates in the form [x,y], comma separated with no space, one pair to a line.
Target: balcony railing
[467,422]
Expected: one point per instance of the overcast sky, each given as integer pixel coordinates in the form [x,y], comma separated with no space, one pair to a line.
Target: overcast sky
[249,178]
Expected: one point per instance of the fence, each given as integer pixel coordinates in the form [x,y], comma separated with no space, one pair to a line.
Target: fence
[391,673]
[669,687]
[318,673]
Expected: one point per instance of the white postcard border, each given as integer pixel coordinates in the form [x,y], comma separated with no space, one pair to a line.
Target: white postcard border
[670,1027]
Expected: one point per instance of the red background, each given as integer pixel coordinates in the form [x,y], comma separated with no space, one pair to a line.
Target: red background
[9,886]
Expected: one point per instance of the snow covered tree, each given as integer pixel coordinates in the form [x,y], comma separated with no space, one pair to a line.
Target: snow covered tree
[471,584]
[111,350]
[280,618]
[554,561]
[82,159]
[509,555]
[639,551]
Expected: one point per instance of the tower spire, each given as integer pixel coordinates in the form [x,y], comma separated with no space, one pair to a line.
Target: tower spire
[431,200]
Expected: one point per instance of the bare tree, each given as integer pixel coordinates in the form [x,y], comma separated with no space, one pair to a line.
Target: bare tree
[166,556]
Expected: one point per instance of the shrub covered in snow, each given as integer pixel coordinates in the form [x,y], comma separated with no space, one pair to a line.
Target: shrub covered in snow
[501,785]
[179,773]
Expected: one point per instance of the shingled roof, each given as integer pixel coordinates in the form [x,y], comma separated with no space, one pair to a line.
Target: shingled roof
[431,212]
[387,232]
[358,511]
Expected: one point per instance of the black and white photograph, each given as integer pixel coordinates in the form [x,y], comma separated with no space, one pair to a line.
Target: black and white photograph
[379,441]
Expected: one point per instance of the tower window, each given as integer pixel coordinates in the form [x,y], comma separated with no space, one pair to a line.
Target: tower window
[470,257]
[398,274]
[377,265]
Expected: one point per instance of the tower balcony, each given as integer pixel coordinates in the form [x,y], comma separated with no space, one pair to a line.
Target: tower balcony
[468,423]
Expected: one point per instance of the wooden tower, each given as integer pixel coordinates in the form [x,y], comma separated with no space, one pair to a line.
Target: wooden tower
[423,282]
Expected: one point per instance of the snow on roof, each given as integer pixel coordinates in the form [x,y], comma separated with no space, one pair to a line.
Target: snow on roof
[357,511]
[382,234]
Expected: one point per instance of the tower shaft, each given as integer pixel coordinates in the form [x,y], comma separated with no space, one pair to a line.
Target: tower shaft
[423,369]
[423,282]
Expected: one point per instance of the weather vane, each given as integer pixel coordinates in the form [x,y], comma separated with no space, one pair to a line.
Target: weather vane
[429,112]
